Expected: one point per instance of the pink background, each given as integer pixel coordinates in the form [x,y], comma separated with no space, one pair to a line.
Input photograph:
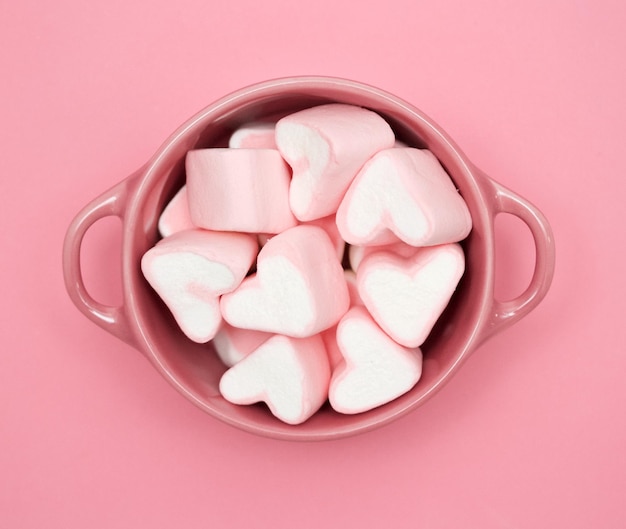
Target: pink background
[532,431]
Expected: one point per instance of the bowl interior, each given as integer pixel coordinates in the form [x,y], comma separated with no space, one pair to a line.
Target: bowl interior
[194,369]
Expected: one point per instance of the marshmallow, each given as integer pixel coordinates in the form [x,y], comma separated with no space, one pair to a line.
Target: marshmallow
[326,145]
[298,289]
[357,253]
[255,135]
[242,190]
[403,194]
[191,269]
[233,344]
[375,370]
[175,216]
[290,375]
[406,296]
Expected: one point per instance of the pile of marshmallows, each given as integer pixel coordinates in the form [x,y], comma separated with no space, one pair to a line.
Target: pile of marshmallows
[252,251]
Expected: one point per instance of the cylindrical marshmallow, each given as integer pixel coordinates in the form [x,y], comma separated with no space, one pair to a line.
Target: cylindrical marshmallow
[243,190]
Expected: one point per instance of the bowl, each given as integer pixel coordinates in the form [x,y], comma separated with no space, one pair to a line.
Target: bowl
[143,321]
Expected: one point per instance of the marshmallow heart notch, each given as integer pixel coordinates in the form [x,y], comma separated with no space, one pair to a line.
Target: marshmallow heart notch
[325,146]
[190,269]
[405,194]
[298,289]
[375,369]
[407,295]
[291,375]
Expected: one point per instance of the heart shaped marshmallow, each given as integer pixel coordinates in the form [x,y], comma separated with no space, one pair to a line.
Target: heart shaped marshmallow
[325,146]
[375,370]
[290,375]
[406,295]
[403,193]
[298,290]
[191,269]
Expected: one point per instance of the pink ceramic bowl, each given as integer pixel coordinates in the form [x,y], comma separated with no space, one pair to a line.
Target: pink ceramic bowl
[193,369]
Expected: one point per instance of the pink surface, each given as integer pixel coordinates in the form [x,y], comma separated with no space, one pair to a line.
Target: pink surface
[530,432]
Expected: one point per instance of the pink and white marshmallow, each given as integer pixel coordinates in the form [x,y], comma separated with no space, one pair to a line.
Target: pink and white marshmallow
[375,370]
[175,216]
[255,135]
[325,146]
[191,269]
[291,375]
[407,295]
[298,289]
[245,190]
[405,194]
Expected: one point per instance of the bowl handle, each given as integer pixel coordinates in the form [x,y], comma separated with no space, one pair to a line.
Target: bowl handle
[505,313]
[110,203]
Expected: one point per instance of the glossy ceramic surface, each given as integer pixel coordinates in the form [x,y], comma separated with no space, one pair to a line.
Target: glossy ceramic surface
[193,369]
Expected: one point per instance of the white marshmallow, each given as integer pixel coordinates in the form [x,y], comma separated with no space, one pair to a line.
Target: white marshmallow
[290,375]
[403,193]
[406,296]
[325,146]
[375,370]
[191,269]
[298,290]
